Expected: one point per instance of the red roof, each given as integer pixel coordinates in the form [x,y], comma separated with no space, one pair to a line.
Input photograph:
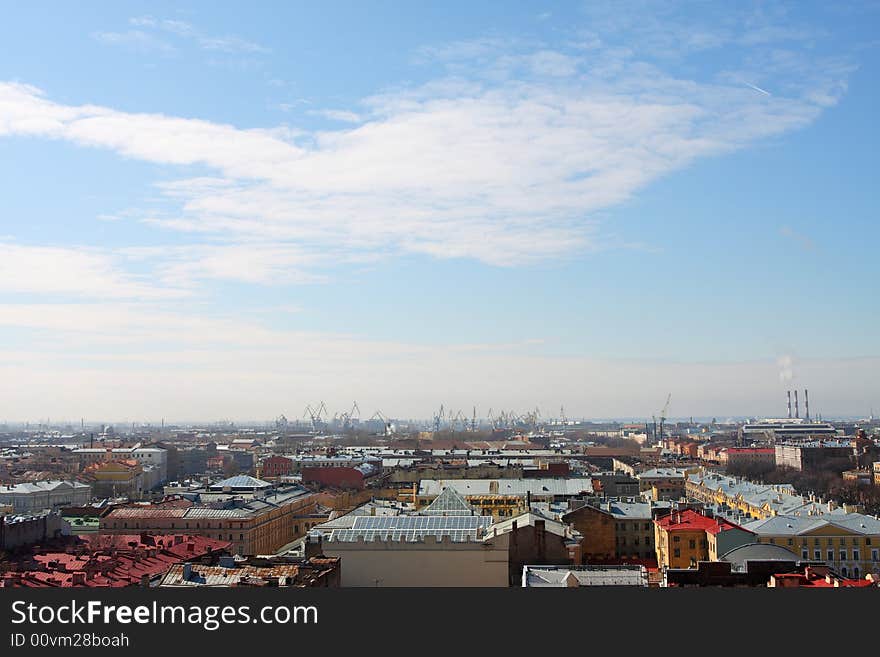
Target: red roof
[815,581]
[113,561]
[690,520]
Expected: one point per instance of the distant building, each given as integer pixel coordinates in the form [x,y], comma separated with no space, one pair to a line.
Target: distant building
[785,429]
[814,455]
[115,478]
[146,456]
[504,497]
[33,497]
[751,459]
[275,466]
[258,522]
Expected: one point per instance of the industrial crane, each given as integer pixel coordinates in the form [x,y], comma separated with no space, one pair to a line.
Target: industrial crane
[663,414]
[315,415]
[386,423]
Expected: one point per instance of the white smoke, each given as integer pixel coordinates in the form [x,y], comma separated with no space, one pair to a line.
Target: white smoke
[786,368]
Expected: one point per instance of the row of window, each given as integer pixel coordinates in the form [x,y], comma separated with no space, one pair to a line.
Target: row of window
[829,541]
[842,554]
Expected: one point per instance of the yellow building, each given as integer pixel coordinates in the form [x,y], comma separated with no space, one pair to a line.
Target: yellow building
[117,478]
[847,542]
[684,538]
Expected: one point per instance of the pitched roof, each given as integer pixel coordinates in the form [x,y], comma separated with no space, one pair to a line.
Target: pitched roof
[449,503]
[691,520]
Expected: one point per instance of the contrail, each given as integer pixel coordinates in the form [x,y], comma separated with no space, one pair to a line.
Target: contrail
[763,91]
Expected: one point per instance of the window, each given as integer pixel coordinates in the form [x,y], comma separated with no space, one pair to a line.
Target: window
[831,555]
[856,555]
[692,544]
[875,555]
[805,554]
[676,539]
[843,555]
[817,555]
[676,552]
[857,574]
[791,541]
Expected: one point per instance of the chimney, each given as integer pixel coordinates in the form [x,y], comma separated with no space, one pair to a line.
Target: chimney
[788,393]
[796,412]
[806,405]
[78,579]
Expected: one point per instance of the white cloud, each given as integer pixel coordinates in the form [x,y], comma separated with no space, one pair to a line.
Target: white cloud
[181,30]
[72,271]
[502,172]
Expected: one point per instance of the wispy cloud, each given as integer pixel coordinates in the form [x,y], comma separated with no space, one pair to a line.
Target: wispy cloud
[137,40]
[152,34]
[803,241]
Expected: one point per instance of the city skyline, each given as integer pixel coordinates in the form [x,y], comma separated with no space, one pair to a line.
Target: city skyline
[211,213]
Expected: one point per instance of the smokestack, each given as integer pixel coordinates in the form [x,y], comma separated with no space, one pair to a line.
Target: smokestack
[796,412]
[806,405]
[788,393]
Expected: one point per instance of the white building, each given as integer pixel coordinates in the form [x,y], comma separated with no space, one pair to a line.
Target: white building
[37,496]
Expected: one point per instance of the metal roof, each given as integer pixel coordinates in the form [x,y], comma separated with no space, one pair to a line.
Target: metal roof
[414,528]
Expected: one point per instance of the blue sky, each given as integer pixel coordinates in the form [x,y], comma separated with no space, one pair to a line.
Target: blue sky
[210,211]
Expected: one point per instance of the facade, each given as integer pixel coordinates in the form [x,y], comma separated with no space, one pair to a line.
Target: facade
[751,459]
[815,454]
[275,466]
[849,543]
[116,478]
[672,479]
[684,538]
[33,497]
[424,560]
